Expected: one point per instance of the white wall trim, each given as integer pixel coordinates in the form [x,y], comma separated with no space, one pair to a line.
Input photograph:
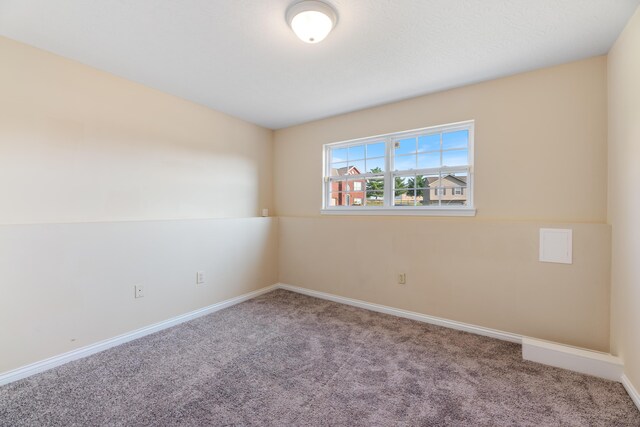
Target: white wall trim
[403,211]
[61,359]
[478,330]
[633,393]
[588,362]
[575,359]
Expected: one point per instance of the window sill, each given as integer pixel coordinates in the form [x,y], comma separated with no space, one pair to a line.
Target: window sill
[401,211]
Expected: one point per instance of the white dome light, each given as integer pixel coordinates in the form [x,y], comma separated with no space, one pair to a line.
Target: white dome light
[311,20]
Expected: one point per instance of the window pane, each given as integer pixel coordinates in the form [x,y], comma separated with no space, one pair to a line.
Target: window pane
[356,192]
[375,198]
[375,165]
[461,178]
[401,184]
[356,168]
[405,146]
[422,181]
[455,197]
[429,160]
[356,200]
[454,203]
[458,194]
[375,184]
[457,139]
[376,150]
[338,186]
[338,199]
[429,143]
[404,194]
[339,169]
[455,189]
[353,185]
[404,199]
[356,152]
[403,163]
[338,155]
[422,196]
[430,197]
[455,158]
[430,193]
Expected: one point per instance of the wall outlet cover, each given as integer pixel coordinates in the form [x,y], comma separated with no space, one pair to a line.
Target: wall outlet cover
[199,277]
[138,291]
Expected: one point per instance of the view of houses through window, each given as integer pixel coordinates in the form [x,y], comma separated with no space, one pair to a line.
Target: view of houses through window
[429,168]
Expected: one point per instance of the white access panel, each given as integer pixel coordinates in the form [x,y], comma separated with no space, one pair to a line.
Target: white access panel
[556,245]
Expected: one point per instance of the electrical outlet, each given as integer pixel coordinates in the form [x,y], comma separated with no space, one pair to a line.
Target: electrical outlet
[402,278]
[200,278]
[139,291]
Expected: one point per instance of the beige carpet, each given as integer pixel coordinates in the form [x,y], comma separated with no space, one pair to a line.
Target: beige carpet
[288,359]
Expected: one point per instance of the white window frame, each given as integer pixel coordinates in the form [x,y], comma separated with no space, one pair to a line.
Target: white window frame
[389,175]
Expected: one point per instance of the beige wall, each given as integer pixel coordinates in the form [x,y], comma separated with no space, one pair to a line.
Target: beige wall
[624,203]
[484,273]
[540,144]
[93,151]
[540,161]
[65,286]
[77,144]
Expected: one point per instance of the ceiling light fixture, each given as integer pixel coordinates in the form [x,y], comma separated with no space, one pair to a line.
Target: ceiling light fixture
[311,20]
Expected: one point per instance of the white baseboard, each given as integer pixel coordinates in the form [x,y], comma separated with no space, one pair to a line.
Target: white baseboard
[52,362]
[478,330]
[633,393]
[574,359]
[588,362]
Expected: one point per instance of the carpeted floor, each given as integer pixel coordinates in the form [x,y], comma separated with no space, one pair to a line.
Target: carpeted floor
[288,359]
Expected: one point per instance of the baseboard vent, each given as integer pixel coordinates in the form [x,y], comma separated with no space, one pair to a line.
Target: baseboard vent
[588,362]
[52,362]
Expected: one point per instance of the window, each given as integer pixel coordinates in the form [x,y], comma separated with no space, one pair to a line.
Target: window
[426,171]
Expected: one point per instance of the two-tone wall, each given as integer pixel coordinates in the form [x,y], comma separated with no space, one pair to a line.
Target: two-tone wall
[540,161]
[106,184]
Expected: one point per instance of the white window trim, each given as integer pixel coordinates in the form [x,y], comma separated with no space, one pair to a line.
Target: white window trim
[400,211]
[389,175]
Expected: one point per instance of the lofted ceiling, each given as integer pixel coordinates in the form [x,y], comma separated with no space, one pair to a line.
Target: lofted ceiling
[240,57]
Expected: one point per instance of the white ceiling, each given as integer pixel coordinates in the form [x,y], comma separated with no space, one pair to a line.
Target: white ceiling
[240,57]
